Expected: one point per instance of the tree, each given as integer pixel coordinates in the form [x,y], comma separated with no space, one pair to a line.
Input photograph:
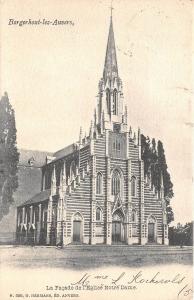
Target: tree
[145,153]
[181,234]
[155,166]
[9,155]
[168,186]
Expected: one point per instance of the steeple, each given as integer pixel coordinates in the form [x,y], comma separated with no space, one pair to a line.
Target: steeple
[110,65]
[110,103]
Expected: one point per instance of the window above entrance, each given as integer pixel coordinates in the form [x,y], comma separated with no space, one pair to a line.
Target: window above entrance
[116,183]
[116,127]
[117,144]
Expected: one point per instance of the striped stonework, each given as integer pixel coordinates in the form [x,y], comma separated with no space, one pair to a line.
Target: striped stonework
[72,207]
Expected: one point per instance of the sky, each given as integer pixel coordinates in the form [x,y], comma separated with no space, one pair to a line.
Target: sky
[51,74]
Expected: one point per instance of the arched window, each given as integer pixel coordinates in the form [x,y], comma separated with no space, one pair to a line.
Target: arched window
[36,214]
[99,184]
[134,216]
[115,102]
[98,214]
[118,145]
[116,183]
[108,101]
[133,186]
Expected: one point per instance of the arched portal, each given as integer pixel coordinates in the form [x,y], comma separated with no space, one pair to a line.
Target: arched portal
[152,229]
[77,228]
[117,227]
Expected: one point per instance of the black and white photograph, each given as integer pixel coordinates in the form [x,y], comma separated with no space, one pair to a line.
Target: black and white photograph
[96,130]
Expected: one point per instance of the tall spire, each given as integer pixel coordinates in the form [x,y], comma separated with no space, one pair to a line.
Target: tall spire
[110,65]
[110,96]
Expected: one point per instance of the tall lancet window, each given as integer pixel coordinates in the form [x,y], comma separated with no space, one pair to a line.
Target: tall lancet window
[115,102]
[116,183]
[133,186]
[108,101]
[99,184]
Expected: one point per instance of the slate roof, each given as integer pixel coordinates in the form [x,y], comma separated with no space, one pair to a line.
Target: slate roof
[65,151]
[38,156]
[40,197]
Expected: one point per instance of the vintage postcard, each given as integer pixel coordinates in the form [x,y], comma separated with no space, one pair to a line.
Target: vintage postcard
[96,149]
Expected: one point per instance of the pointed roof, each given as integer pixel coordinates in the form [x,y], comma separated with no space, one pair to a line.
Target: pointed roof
[37,198]
[110,65]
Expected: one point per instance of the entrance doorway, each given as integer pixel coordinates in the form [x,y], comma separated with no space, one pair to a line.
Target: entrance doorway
[116,231]
[76,231]
[151,232]
[117,227]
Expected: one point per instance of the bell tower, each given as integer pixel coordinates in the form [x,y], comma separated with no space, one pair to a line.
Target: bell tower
[110,111]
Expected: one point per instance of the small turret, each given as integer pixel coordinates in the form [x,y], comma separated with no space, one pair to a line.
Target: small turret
[53,182]
[69,185]
[80,136]
[95,120]
[130,132]
[139,143]
[125,115]
[139,137]
[64,177]
[91,130]
[103,122]
[134,138]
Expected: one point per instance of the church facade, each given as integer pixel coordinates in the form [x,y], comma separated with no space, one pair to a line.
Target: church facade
[95,191]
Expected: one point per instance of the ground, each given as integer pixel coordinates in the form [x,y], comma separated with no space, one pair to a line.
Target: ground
[84,272]
[82,257]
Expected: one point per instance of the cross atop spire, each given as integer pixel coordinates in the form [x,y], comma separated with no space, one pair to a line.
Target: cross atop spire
[110,65]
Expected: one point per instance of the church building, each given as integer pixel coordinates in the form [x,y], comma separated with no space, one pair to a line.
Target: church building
[94,191]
